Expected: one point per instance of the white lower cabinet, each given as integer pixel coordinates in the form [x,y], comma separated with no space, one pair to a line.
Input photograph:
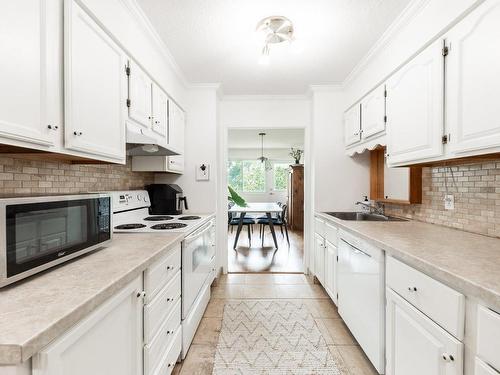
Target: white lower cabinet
[330,284]
[108,342]
[488,337]
[481,368]
[319,258]
[415,345]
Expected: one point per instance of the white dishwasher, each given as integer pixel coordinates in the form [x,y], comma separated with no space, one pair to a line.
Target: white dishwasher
[361,295]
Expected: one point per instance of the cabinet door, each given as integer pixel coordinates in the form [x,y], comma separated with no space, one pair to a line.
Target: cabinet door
[176,123]
[331,270]
[416,345]
[30,71]
[319,258]
[473,82]
[139,94]
[373,113]
[415,108]
[160,102]
[352,125]
[95,88]
[108,342]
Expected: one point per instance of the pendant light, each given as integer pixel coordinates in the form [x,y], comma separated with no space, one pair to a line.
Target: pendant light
[263,159]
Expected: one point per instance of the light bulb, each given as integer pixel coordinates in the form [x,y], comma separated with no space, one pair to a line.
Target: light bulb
[150,148]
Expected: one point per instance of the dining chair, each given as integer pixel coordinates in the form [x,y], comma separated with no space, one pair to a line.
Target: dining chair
[279,221]
[233,221]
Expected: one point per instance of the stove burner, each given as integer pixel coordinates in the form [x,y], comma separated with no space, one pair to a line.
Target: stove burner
[169,226]
[189,218]
[130,226]
[158,218]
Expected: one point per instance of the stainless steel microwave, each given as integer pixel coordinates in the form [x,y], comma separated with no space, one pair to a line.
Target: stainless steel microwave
[37,233]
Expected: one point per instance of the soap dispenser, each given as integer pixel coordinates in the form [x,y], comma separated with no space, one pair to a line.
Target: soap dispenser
[365,207]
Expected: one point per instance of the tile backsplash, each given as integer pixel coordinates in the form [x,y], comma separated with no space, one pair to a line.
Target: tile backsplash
[21,176]
[476,189]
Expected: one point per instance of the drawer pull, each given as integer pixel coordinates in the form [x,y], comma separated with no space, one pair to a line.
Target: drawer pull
[170,332]
[169,299]
[412,289]
[170,268]
[448,357]
[171,365]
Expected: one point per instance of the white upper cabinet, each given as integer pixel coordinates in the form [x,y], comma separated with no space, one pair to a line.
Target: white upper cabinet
[176,125]
[352,125]
[139,94]
[160,115]
[30,72]
[95,88]
[373,113]
[473,80]
[415,108]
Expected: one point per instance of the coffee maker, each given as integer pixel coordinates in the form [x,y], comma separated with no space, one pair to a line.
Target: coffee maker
[166,199]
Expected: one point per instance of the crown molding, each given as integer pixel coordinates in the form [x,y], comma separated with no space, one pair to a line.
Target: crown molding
[405,17]
[138,14]
[258,97]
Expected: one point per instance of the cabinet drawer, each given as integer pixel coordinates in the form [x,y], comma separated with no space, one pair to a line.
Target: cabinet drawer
[170,359]
[160,273]
[319,226]
[439,302]
[156,311]
[482,368]
[153,352]
[331,233]
[488,336]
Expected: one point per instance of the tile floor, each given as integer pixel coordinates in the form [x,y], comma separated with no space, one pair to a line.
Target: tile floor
[344,347]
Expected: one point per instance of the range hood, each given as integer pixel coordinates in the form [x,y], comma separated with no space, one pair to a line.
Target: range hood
[140,144]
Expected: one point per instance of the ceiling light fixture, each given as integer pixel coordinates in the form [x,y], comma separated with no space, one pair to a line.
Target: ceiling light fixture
[263,159]
[275,30]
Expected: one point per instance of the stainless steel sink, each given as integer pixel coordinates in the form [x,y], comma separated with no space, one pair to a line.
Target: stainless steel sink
[361,216]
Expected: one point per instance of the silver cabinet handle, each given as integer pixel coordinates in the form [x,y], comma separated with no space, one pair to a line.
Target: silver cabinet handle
[171,365]
[412,289]
[169,299]
[170,268]
[77,133]
[170,332]
[53,127]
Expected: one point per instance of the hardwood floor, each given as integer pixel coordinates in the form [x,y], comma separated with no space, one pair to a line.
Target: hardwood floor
[343,346]
[255,258]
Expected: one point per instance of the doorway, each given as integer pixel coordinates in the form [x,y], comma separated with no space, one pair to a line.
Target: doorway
[268,188]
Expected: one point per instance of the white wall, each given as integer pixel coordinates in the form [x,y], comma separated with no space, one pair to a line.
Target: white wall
[128,25]
[339,180]
[265,112]
[200,147]
[421,24]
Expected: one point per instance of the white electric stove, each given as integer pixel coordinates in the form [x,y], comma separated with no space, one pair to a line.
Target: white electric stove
[131,214]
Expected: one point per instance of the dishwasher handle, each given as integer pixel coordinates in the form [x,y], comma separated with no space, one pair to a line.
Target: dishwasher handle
[356,250]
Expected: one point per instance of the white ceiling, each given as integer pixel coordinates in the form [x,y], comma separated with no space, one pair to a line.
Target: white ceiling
[274,138]
[214,40]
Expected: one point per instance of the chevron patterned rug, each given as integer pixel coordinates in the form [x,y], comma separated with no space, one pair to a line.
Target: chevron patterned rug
[273,338]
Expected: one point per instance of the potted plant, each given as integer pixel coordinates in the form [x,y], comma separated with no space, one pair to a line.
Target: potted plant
[296,154]
[236,198]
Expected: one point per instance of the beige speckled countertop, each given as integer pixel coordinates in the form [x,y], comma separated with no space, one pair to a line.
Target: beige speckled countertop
[38,310]
[467,262]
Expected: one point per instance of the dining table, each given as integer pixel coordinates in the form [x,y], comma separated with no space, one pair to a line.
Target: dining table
[269,208]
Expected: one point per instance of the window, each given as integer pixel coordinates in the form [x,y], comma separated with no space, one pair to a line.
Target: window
[247,176]
[280,176]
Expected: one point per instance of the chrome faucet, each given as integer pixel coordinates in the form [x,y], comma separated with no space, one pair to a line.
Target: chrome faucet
[378,208]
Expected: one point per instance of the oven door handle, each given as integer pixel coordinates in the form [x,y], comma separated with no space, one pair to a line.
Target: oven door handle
[198,232]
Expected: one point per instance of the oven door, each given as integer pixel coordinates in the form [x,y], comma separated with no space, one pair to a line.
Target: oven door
[198,256]
[43,233]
